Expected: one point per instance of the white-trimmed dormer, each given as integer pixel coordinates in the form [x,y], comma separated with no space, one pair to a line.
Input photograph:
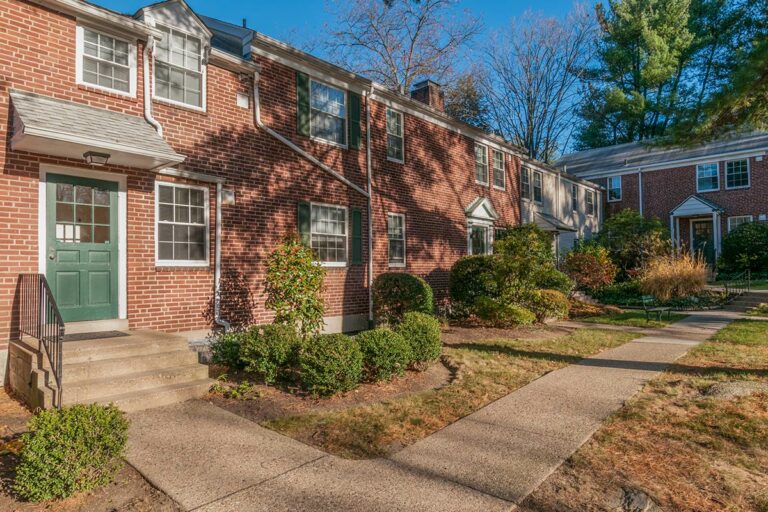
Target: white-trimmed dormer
[180,56]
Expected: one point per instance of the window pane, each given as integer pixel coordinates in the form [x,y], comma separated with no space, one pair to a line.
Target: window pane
[537,186]
[165,251]
[737,174]
[180,251]
[83,194]
[197,234]
[165,212]
[177,239]
[165,233]
[101,197]
[182,214]
[197,252]
[83,214]
[100,234]
[64,212]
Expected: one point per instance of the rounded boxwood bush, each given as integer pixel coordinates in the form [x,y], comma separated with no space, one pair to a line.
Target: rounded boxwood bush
[422,332]
[71,450]
[746,247]
[472,277]
[225,350]
[547,304]
[397,293]
[385,353]
[330,363]
[501,314]
[267,350]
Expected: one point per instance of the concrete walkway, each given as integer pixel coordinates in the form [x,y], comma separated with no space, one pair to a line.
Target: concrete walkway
[208,459]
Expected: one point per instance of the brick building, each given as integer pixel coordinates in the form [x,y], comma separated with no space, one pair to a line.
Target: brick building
[700,192]
[151,158]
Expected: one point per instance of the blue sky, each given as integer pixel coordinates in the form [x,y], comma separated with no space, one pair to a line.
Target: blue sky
[295,21]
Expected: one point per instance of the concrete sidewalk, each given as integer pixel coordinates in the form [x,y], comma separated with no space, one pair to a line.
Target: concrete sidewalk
[208,459]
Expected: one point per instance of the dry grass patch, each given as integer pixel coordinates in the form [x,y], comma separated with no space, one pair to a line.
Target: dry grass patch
[688,450]
[487,370]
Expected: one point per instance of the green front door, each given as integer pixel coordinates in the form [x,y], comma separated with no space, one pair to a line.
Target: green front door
[703,240]
[82,246]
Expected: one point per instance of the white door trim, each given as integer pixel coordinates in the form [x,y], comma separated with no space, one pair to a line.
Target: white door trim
[122,224]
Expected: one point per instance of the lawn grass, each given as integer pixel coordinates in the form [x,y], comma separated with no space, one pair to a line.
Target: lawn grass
[634,319]
[486,371]
[687,450]
[760,284]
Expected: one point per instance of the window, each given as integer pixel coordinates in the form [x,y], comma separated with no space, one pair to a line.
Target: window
[179,68]
[106,62]
[734,222]
[537,179]
[590,201]
[737,174]
[574,197]
[481,164]
[480,239]
[707,177]
[395,136]
[396,234]
[182,224]
[525,183]
[499,176]
[328,113]
[614,188]
[329,234]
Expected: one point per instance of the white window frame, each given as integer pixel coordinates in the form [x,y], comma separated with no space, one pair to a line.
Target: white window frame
[499,171]
[540,175]
[487,167]
[401,136]
[80,55]
[526,187]
[334,264]
[707,164]
[590,194]
[346,116]
[489,235]
[203,73]
[609,188]
[749,173]
[750,217]
[206,200]
[405,242]
[574,197]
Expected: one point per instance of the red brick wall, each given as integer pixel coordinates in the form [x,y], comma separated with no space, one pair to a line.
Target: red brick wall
[432,188]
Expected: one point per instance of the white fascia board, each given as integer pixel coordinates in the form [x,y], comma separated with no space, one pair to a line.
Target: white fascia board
[676,163]
[222,59]
[92,13]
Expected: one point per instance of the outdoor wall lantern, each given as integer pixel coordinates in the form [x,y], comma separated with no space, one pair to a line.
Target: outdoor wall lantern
[94,158]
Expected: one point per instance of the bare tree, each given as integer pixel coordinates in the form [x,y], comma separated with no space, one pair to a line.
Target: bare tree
[536,69]
[398,42]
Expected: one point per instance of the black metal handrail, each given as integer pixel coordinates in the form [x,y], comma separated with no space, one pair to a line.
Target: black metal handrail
[40,318]
[738,284]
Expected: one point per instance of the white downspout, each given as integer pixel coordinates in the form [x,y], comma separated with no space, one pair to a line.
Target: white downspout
[370,205]
[640,190]
[217,266]
[294,147]
[147,88]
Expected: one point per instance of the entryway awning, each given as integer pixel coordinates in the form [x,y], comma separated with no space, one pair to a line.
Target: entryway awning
[549,223]
[695,206]
[61,128]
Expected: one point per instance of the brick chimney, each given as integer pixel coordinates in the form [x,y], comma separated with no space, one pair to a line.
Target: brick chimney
[429,92]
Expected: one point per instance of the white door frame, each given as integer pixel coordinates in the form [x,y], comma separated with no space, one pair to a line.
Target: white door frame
[122,224]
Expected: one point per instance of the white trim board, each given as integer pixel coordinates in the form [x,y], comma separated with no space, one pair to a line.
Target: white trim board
[122,223]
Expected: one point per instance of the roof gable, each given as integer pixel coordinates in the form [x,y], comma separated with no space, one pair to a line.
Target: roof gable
[695,205]
[482,209]
[175,14]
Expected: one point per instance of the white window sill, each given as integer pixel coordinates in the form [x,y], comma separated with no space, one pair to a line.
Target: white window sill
[613,200]
[708,190]
[315,138]
[179,104]
[130,94]
[738,188]
[397,265]
[395,160]
[333,264]
[182,264]
[496,187]
[484,184]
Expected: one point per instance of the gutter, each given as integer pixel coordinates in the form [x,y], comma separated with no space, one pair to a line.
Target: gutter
[370,205]
[294,147]
[217,266]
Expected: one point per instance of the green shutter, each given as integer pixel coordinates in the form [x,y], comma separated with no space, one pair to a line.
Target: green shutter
[305,222]
[302,104]
[357,237]
[354,120]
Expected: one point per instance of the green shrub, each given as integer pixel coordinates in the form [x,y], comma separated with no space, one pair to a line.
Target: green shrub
[500,314]
[225,350]
[329,364]
[746,247]
[471,277]
[547,304]
[72,450]
[422,332]
[553,279]
[267,350]
[632,240]
[294,285]
[620,294]
[397,293]
[590,267]
[385,353]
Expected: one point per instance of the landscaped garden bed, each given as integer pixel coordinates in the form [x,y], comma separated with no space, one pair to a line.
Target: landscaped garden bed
[694,439]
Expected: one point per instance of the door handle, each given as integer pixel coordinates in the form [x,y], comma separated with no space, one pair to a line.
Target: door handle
[52,254]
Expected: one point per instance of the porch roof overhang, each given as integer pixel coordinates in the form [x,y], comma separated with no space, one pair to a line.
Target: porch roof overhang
[481,209]
[695,205]
[549,223]
[65,129]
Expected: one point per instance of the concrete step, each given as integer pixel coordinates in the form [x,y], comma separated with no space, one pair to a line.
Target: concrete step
[119,350]
[101,368]
[157,397]
[94,390]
